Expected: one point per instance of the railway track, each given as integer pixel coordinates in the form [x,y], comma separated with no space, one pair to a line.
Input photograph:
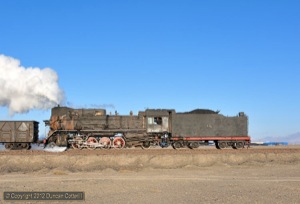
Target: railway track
[160,151]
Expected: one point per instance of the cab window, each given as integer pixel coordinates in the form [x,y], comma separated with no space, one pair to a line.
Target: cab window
[150,121]
[158,120]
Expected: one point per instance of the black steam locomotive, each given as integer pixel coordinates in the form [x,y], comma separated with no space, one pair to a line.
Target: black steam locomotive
[93,128]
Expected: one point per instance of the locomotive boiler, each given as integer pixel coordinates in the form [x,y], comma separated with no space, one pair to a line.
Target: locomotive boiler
[94,128]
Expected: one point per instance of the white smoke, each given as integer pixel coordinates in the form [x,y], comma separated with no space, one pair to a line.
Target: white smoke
[23,89]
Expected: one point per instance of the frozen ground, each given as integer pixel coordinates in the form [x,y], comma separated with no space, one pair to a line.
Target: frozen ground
[259,175]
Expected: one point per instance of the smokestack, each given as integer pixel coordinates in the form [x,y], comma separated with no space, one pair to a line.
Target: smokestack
[23,89]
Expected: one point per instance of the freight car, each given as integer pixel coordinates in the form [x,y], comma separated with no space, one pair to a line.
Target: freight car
[18,134]
[92,128]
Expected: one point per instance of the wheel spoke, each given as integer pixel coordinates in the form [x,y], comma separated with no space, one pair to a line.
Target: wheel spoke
[92,143]
[105,142]
[119,142]
[78,143]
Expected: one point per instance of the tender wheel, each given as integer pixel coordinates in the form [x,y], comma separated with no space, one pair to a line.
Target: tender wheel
[193,145]
[146,145]
[92,143]
[217,145]
[177,145]
[239,145]
[105,142]
[222,145]
[119,142]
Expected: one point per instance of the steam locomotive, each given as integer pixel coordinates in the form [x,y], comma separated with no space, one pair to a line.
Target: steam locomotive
[94,128]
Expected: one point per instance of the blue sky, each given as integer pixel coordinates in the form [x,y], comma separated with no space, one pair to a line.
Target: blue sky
[222,55]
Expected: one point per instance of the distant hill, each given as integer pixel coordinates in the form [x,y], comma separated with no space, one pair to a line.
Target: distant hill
[291,139]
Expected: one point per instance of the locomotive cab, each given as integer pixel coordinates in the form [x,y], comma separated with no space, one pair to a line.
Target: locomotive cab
[158,121]
[157,124]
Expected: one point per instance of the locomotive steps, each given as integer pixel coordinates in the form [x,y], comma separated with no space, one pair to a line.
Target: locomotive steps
[136,160]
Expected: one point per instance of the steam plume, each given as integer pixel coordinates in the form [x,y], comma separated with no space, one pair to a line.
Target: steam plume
[23,89]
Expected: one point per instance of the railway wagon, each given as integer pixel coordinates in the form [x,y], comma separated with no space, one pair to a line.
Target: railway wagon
[93,128]
[18,134]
